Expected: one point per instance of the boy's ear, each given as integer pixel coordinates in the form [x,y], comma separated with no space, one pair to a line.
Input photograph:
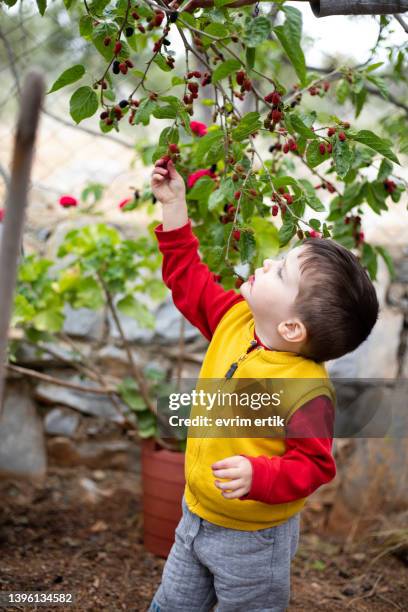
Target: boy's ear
[292,330]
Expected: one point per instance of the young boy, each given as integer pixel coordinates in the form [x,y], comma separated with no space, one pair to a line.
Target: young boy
[237,536]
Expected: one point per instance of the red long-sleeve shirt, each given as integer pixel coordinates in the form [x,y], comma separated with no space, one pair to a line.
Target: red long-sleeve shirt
[307,462]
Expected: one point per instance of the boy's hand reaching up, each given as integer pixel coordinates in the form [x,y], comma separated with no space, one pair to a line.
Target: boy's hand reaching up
[167,184]
[239,470]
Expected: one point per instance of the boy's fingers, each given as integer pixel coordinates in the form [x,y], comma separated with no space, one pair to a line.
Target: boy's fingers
[172,170]
[234,494]
[158,177]
[229,462]
[159,170]
[227,473]
[232,484]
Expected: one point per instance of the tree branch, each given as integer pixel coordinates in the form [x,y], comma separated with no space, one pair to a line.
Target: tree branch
[119,141]
[401,22]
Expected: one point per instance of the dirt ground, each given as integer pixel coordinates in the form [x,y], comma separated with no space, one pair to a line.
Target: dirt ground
[81,532]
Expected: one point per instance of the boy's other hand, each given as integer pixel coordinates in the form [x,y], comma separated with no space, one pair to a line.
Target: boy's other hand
[239,470]
[167,184]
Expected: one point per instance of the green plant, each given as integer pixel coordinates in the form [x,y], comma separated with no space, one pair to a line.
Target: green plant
[98,269]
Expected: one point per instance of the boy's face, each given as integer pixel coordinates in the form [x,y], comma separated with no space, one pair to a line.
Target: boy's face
[271,292]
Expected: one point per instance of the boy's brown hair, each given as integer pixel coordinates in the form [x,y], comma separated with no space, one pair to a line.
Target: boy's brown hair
[337,301]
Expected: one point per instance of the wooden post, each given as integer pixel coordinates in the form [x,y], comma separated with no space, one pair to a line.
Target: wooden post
[16,203]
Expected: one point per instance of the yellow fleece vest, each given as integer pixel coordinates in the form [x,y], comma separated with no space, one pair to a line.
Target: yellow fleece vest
[232,337]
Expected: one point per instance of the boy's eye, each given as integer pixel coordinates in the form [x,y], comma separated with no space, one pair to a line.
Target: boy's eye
[280,272]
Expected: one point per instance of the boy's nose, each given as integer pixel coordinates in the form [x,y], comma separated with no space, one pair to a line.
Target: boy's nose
[267,264]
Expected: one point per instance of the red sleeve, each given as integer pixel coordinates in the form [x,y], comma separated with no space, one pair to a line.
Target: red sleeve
[307,462]
[195,293]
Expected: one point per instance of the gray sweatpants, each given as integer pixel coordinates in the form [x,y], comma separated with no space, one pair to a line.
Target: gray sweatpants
[240,571]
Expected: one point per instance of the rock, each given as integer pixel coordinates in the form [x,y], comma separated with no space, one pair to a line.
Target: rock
[401,269]
[398,296]
[132,330]
[168,320]
[61,421]
[377,356]
[114,360]
[95,454]
[32,356]
[84,323]
[22,444]
[88,403]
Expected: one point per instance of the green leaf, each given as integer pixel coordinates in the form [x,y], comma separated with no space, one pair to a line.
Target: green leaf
[206,142]
[216,198]
[374,67]
[247,246]
[343,157]
[42,5]
[85,26]
[375,195]
[266,236]
[225,69]
[147,424]
[257,32]
[170,135]
[161,63]
[202,189]
[289,35]
[300,127]
[100,32]
[385,170]
[217,29]
[129,392]
[250,55]
[313,201]
[293,22]
[144,111]
[315,223]
[132,308]
[68,76]
[49,320]
[214,29]
[342,91]
[313,156]
[164,112]
[249,124]
[369,260]
[387,259]
[287,230]
[359,99]
[380,83]
[368,138]
[83,104]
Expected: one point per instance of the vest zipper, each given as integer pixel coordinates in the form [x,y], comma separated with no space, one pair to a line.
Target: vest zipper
[234,366]
[231,371]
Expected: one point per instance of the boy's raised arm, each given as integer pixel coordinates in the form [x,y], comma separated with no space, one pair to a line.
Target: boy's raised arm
[195,293]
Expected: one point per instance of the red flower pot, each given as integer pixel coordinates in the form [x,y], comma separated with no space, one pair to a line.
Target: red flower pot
[163,487]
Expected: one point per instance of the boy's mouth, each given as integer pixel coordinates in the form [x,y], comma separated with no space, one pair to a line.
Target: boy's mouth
[251,280]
